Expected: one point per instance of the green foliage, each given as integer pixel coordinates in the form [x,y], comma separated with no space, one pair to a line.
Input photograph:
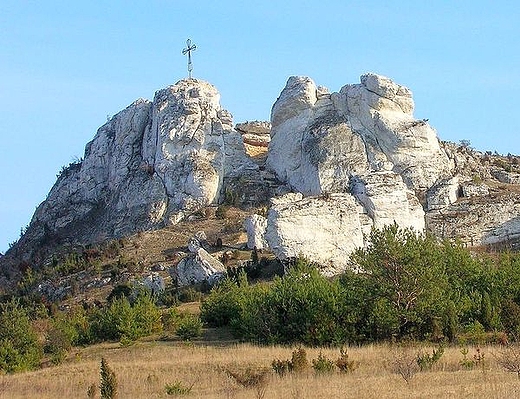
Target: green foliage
[190,327]
[120,291]
[402,274]
[223,303]
[171,319]
[177,388]
[108,385]
[323,365]
[59,338]
[303,306]
[19,346]
[121,319]
[405,286]
[466,363]
[426,361]
[281,367]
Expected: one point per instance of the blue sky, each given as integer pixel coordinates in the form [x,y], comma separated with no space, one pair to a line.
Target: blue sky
[66,65]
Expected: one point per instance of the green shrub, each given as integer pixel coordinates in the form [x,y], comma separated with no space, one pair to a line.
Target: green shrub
[466,363]
[425,361]
[322,365]
[121,319]
[222,304]
[171,319]
[281,367]
[298,363]
[189,294]
[19,346]
[190,327]
[60,336]
[119,291]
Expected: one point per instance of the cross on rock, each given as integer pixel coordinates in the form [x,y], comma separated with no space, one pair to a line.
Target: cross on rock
[189,48]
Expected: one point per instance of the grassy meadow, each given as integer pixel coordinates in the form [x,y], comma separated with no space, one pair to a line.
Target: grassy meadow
[144,369]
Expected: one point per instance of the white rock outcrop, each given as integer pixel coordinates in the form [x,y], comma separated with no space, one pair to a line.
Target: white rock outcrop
[197,268]
[490,220]
[360,151]
[332,165]
[256,226]
[148,166]
[324,229]
[319,140]
[154,282]
[199,240]
[443,193]
[387,200]
[256,133]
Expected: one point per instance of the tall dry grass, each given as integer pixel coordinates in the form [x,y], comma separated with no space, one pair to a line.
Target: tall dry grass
[144,369]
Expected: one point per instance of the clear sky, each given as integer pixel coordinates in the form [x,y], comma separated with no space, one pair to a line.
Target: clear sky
[66,65]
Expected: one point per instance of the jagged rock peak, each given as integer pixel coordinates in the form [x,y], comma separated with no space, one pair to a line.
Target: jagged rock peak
[148,166]
[320,139]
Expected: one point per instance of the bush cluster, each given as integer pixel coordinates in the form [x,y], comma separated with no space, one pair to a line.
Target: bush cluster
[405,286]
[29,335]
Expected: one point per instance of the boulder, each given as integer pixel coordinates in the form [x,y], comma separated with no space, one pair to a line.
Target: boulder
[256,226]
[154,282]
[199,267]
[199,240]
[324,229]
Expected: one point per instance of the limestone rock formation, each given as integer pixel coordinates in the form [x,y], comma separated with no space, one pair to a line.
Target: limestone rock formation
[256,134]
[148,166]
[364,144]
[319,140]
[199,240]
[154,283]
[488,220]
[324,229]
[256,226]
[331,165]
[197,268]
[387,200]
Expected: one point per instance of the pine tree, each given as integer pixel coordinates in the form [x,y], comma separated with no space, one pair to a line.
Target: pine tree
[108,386]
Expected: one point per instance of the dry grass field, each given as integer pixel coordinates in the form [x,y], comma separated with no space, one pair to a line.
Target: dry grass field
[143,370]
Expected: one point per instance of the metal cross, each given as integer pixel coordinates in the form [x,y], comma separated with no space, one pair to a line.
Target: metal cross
[189,48]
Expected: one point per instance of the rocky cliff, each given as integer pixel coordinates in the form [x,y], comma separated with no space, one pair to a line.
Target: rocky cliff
[149,166]
[332,165]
